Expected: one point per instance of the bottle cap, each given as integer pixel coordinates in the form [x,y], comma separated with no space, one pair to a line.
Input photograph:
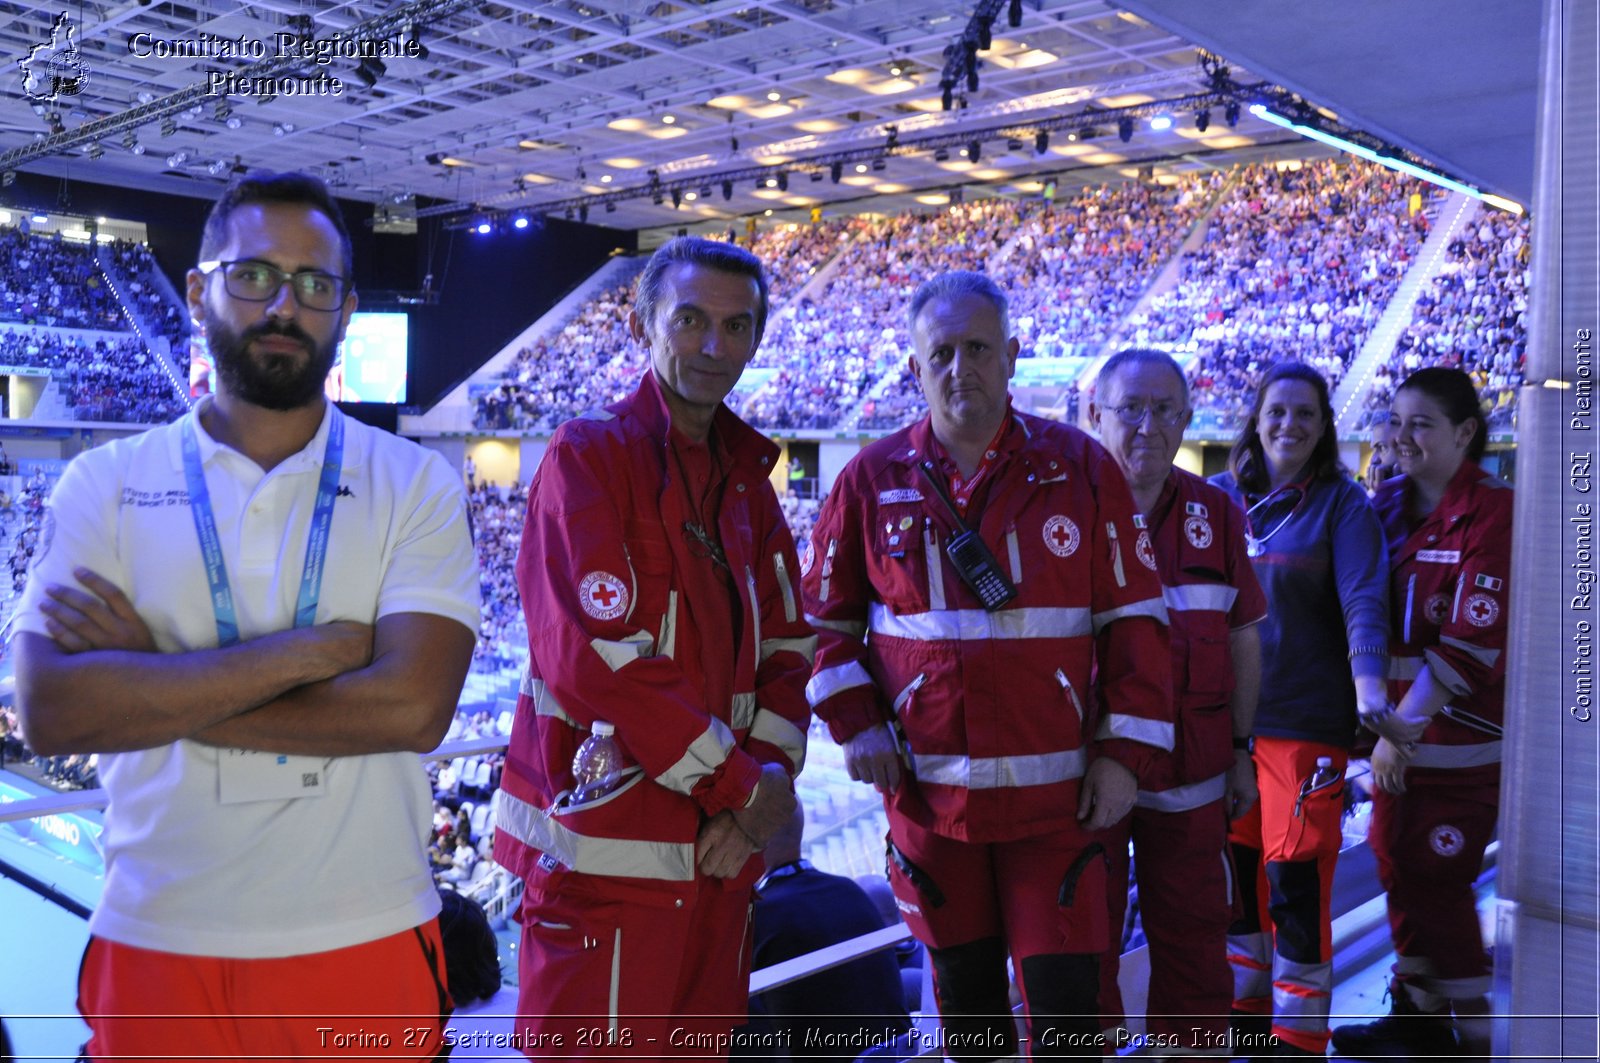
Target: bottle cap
[606,730]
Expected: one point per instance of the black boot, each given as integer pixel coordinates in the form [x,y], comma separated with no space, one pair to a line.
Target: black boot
[1407,1032]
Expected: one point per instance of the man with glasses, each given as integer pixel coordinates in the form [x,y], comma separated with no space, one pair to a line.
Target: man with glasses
[1179,826]
[965,576]
[658,579]
[259,614]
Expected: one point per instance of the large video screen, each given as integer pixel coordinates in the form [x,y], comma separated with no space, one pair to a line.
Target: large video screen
[372,365]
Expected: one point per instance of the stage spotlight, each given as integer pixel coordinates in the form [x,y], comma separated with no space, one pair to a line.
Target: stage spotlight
[879,165]
[894,138]
[1231,113]
[896,68]
[519,222]
[677,198]
[1014,14]
[1202,119]
[985,33]
[836,171]
[1125,129]
[369,70]
[169,126]
[972,77]
[941,155]
[95,150]
[1041,142]
[783,181]
[727,190]
[1161,122]
[177,158]
[484,227]
[974,151]
[947,95]
[416,42]
[583,213]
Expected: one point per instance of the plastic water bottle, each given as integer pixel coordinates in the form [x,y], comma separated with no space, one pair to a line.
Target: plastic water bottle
[1324,776]
[597,767]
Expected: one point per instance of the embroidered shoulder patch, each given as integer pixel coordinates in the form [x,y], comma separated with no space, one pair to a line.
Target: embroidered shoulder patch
[899,494]
[603,596]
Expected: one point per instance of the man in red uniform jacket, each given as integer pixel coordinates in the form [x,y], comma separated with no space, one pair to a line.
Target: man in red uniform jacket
[656,573]
[1179,825]
[978,724]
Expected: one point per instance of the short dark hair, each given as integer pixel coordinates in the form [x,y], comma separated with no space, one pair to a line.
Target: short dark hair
[1139,356]
[954,285]
[471,952]
[698,251]
[290,187]
[1248,462]
[1455,392]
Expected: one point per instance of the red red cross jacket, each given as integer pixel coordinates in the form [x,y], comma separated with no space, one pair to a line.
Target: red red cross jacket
[994,707]
[609,582]
[1210,589]
[1450,585]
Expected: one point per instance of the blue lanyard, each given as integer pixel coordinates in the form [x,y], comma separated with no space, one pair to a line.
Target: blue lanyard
[205,527]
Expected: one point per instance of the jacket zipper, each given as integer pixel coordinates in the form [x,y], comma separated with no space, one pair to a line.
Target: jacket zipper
[1116,554]
[785,586]
[1066,684]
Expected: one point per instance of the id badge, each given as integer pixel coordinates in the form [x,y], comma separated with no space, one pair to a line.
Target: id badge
[248,775]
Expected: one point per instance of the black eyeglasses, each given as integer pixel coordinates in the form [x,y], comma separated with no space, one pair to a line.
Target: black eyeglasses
[1132,414]
[259,282]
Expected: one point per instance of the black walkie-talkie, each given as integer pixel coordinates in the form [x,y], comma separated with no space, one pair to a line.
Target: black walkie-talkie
[972,557]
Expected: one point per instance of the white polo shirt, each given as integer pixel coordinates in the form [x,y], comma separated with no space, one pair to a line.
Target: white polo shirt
[185,872]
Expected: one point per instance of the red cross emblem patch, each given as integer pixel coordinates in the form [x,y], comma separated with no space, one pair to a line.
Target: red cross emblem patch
[1446,840]
[1198,529]
[1436,608]
[1143,549]
[1481,610]
[603,596]
[1061,536]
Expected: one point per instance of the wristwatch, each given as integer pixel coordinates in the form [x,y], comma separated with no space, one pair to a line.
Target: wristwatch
[1244,743]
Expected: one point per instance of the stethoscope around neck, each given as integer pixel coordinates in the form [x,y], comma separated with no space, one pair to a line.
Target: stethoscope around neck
[1256,545]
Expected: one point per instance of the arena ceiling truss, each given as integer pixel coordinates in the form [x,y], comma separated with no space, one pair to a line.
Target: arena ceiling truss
[558,107]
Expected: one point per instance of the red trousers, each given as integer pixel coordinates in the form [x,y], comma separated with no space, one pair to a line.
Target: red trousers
[1285,850]
[602,977]
[1429,844]
[1186,902]
[383,999]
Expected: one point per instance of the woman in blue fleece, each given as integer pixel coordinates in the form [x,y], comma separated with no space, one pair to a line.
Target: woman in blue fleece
[1319,553]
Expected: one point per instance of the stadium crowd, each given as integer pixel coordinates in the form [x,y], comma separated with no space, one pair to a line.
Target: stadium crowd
[46,280]
[101,379]
[1297,261]
[1473,315]
[159,315]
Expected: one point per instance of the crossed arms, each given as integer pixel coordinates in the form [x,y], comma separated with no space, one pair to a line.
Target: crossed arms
[97,683]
